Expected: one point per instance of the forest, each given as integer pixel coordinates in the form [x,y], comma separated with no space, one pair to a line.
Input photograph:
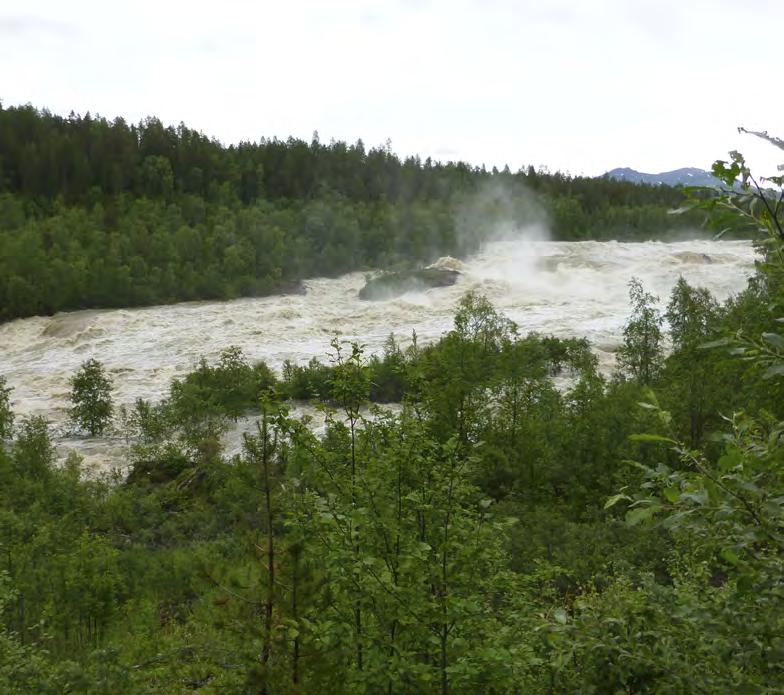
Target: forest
[519,523]
[96,213]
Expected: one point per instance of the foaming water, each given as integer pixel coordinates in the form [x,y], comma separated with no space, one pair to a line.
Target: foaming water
[563,288]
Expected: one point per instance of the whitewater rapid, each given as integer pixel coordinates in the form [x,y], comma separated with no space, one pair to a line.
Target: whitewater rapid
[559,288]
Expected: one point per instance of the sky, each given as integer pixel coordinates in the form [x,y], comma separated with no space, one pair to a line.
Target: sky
[576,86]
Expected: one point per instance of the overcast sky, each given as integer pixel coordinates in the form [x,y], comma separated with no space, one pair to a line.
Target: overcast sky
[580,86]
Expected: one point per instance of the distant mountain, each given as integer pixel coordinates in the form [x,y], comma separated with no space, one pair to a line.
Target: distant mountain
[688,176]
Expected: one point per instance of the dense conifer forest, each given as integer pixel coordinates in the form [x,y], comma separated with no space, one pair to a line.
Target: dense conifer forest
[96,213]
[519,523]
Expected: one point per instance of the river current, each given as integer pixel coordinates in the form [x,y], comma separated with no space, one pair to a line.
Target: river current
[559,288]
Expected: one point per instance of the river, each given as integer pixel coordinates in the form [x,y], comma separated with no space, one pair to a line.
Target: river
[560,288]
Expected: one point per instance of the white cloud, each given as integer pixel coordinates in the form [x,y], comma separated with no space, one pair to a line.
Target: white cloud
[580,86]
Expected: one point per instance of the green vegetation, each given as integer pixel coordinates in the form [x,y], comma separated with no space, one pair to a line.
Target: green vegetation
[641,353]
[6,414]
[496,534]
[91,396]
[105,214]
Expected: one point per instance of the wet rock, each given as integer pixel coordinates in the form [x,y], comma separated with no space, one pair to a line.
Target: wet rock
[388,285]
[693,257]
[448,263]
[291,287]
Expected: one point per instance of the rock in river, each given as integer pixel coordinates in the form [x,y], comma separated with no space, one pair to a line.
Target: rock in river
[388,285]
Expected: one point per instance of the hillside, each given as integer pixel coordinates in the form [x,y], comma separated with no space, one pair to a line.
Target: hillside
[98,213]
[687,176]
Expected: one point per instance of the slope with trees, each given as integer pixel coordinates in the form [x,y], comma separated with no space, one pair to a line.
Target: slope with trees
[96,213]
[497,534]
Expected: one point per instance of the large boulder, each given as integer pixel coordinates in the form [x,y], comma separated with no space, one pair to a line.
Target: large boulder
[290,287]
[388,285]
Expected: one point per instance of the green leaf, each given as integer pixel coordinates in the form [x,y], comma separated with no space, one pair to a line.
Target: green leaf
[729,460]
[674,520]
[730,556]
[560,616]
[721,342]
[640,514]
[637,464]
[774,339]
[612,501]
[672,494]
[775,370]
[718,235]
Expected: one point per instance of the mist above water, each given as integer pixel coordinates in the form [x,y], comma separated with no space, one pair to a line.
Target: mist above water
[560,288]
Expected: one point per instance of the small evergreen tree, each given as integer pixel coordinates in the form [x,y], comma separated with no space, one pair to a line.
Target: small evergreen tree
[91,396]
